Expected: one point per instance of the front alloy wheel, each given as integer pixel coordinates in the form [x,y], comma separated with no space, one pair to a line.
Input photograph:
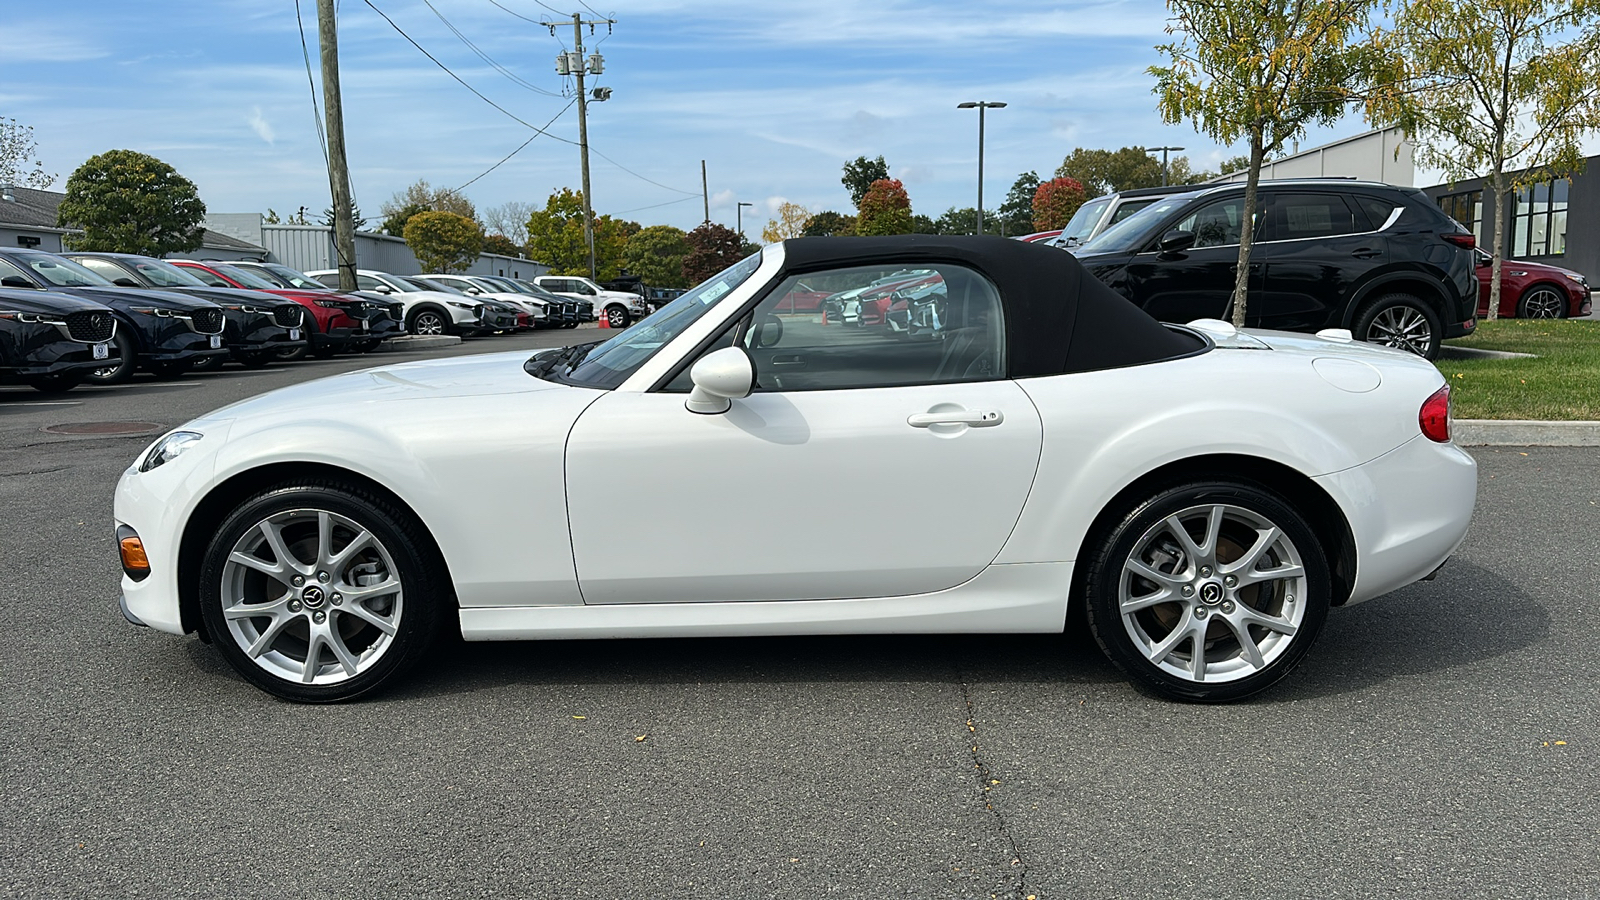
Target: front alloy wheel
[616,317]
[1209,592]
[428,322]
[317,594]
[1543,302]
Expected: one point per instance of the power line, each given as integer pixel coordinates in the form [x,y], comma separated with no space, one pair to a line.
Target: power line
[656,205]
[517,79]
[508,113]
[525,18]
[638,176]
[525,143]
[316,111]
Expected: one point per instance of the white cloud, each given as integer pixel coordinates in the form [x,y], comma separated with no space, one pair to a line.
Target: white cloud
[262,128]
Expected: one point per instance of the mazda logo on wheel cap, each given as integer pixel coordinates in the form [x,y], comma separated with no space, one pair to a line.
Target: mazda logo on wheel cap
[1210,593]
[312,596]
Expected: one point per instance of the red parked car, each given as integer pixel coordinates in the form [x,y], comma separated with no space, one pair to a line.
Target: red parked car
[1530,290]
[337,321]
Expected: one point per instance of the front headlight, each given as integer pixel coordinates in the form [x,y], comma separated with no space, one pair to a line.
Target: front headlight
[168,449]
[30,318]
[1578,277]
[157,311]
[462,305]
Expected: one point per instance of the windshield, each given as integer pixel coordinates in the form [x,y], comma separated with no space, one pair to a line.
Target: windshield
[1083,221]
[164,274]
[1133,231]
[246,277]
[609,364]
[63,272]
[294,278]
[423,284]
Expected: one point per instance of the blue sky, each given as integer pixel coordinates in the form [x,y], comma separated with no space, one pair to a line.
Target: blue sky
[775,96]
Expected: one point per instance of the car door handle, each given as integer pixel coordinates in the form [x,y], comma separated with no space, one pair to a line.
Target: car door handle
[1365,253]
[788,360]
[972,418]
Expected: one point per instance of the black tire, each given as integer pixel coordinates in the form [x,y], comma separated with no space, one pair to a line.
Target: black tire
[257,359]
[123,370]
[170,369]
[428,321]
[325,351]
[1542,302]
[569,325]
[293,354]
[617,317]
[1204,603]
[1402,321]
[208,363]
[55,384]
[416,612]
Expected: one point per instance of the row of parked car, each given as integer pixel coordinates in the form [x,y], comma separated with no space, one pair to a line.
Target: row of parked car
[1382,261]
[76,317]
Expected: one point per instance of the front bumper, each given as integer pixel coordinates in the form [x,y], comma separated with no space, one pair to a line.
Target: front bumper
[40,349]
[1408,511]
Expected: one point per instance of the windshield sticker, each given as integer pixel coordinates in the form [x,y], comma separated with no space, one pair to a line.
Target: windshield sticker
[713,292]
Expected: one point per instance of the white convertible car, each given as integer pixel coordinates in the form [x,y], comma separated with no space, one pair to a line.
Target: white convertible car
[723,469]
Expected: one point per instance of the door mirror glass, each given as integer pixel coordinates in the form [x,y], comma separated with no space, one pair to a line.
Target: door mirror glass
[768,333]
[719,379]
[1176,241]
[125,281]
[15,281]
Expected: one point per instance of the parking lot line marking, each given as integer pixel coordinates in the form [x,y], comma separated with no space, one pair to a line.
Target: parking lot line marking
[47,403]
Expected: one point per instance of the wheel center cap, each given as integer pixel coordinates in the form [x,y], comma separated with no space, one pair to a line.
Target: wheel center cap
[1210,593]
[313,597]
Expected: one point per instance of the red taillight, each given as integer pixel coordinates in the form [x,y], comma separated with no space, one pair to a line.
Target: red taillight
[1434,416]
[1461,240]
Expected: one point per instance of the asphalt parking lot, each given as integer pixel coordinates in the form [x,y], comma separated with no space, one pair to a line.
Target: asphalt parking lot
[1439,742]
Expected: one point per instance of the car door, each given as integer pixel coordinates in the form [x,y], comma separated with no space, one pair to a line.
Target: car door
[864,464]
[1316,250]
[1196,283]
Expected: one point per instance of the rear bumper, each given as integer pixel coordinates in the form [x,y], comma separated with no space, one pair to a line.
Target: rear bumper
[1408,511]
[1461,329]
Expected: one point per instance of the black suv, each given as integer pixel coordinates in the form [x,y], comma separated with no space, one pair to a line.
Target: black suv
[1380,260]
[52,341]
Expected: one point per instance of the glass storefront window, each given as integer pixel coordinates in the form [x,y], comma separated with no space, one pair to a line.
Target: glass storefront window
[1540,224]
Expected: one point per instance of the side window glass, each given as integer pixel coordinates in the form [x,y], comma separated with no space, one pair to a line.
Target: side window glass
[7,270]
[1377,210]
[108,270]
[207,277]
[1215,224]
[1296,216]
[873,327]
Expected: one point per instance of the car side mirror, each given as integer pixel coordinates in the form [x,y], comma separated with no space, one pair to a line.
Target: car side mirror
[15,281]
[719,379]
[1176,241]
[384,289]
[768,333]
[125,281]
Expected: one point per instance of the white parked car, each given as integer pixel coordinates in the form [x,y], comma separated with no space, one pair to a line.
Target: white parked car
[427,311]
[475,286]
[1207,495]
[617,307]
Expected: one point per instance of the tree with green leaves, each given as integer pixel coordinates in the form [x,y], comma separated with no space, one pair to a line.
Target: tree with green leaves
[1108,171]
[19,157]
[443,241]
[395,219]
[885,209]
[829,224]
[964,220]
[1235,164]
[130,202]
[1055,201]
[358,221]
[499,243]
[712,248]
[921,224]
[1016,213]
[656,254]
[555,237]
[1505,90]
[1261,71]
[860,174]
[789,223]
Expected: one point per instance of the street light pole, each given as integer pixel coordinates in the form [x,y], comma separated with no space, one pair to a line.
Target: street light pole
[738,217]
[1164,151]
[980,106]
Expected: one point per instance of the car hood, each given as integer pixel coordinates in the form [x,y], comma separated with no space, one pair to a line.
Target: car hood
[436,296]
[122,298]
[232,296]
[50,302]
[485,374]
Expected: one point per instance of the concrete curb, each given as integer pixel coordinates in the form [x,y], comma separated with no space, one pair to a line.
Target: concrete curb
[1448,352]
[1524,433]
[416,342]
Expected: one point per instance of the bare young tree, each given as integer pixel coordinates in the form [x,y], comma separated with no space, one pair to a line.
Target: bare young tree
[19,157]
[510,219]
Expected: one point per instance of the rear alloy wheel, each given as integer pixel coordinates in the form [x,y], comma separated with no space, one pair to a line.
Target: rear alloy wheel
[427,321]
[318,593]
[1400,321]
[1542,302]
[119,371]
[1208,592]
[616,317]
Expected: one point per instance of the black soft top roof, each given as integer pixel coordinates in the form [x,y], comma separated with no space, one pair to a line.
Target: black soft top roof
[1058,318]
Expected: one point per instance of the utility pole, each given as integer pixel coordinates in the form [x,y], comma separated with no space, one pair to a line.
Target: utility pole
[980,106]
[575,65]
[344,231]
[705,196]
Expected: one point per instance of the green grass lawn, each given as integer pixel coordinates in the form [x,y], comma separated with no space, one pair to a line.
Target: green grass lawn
[1563,383]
